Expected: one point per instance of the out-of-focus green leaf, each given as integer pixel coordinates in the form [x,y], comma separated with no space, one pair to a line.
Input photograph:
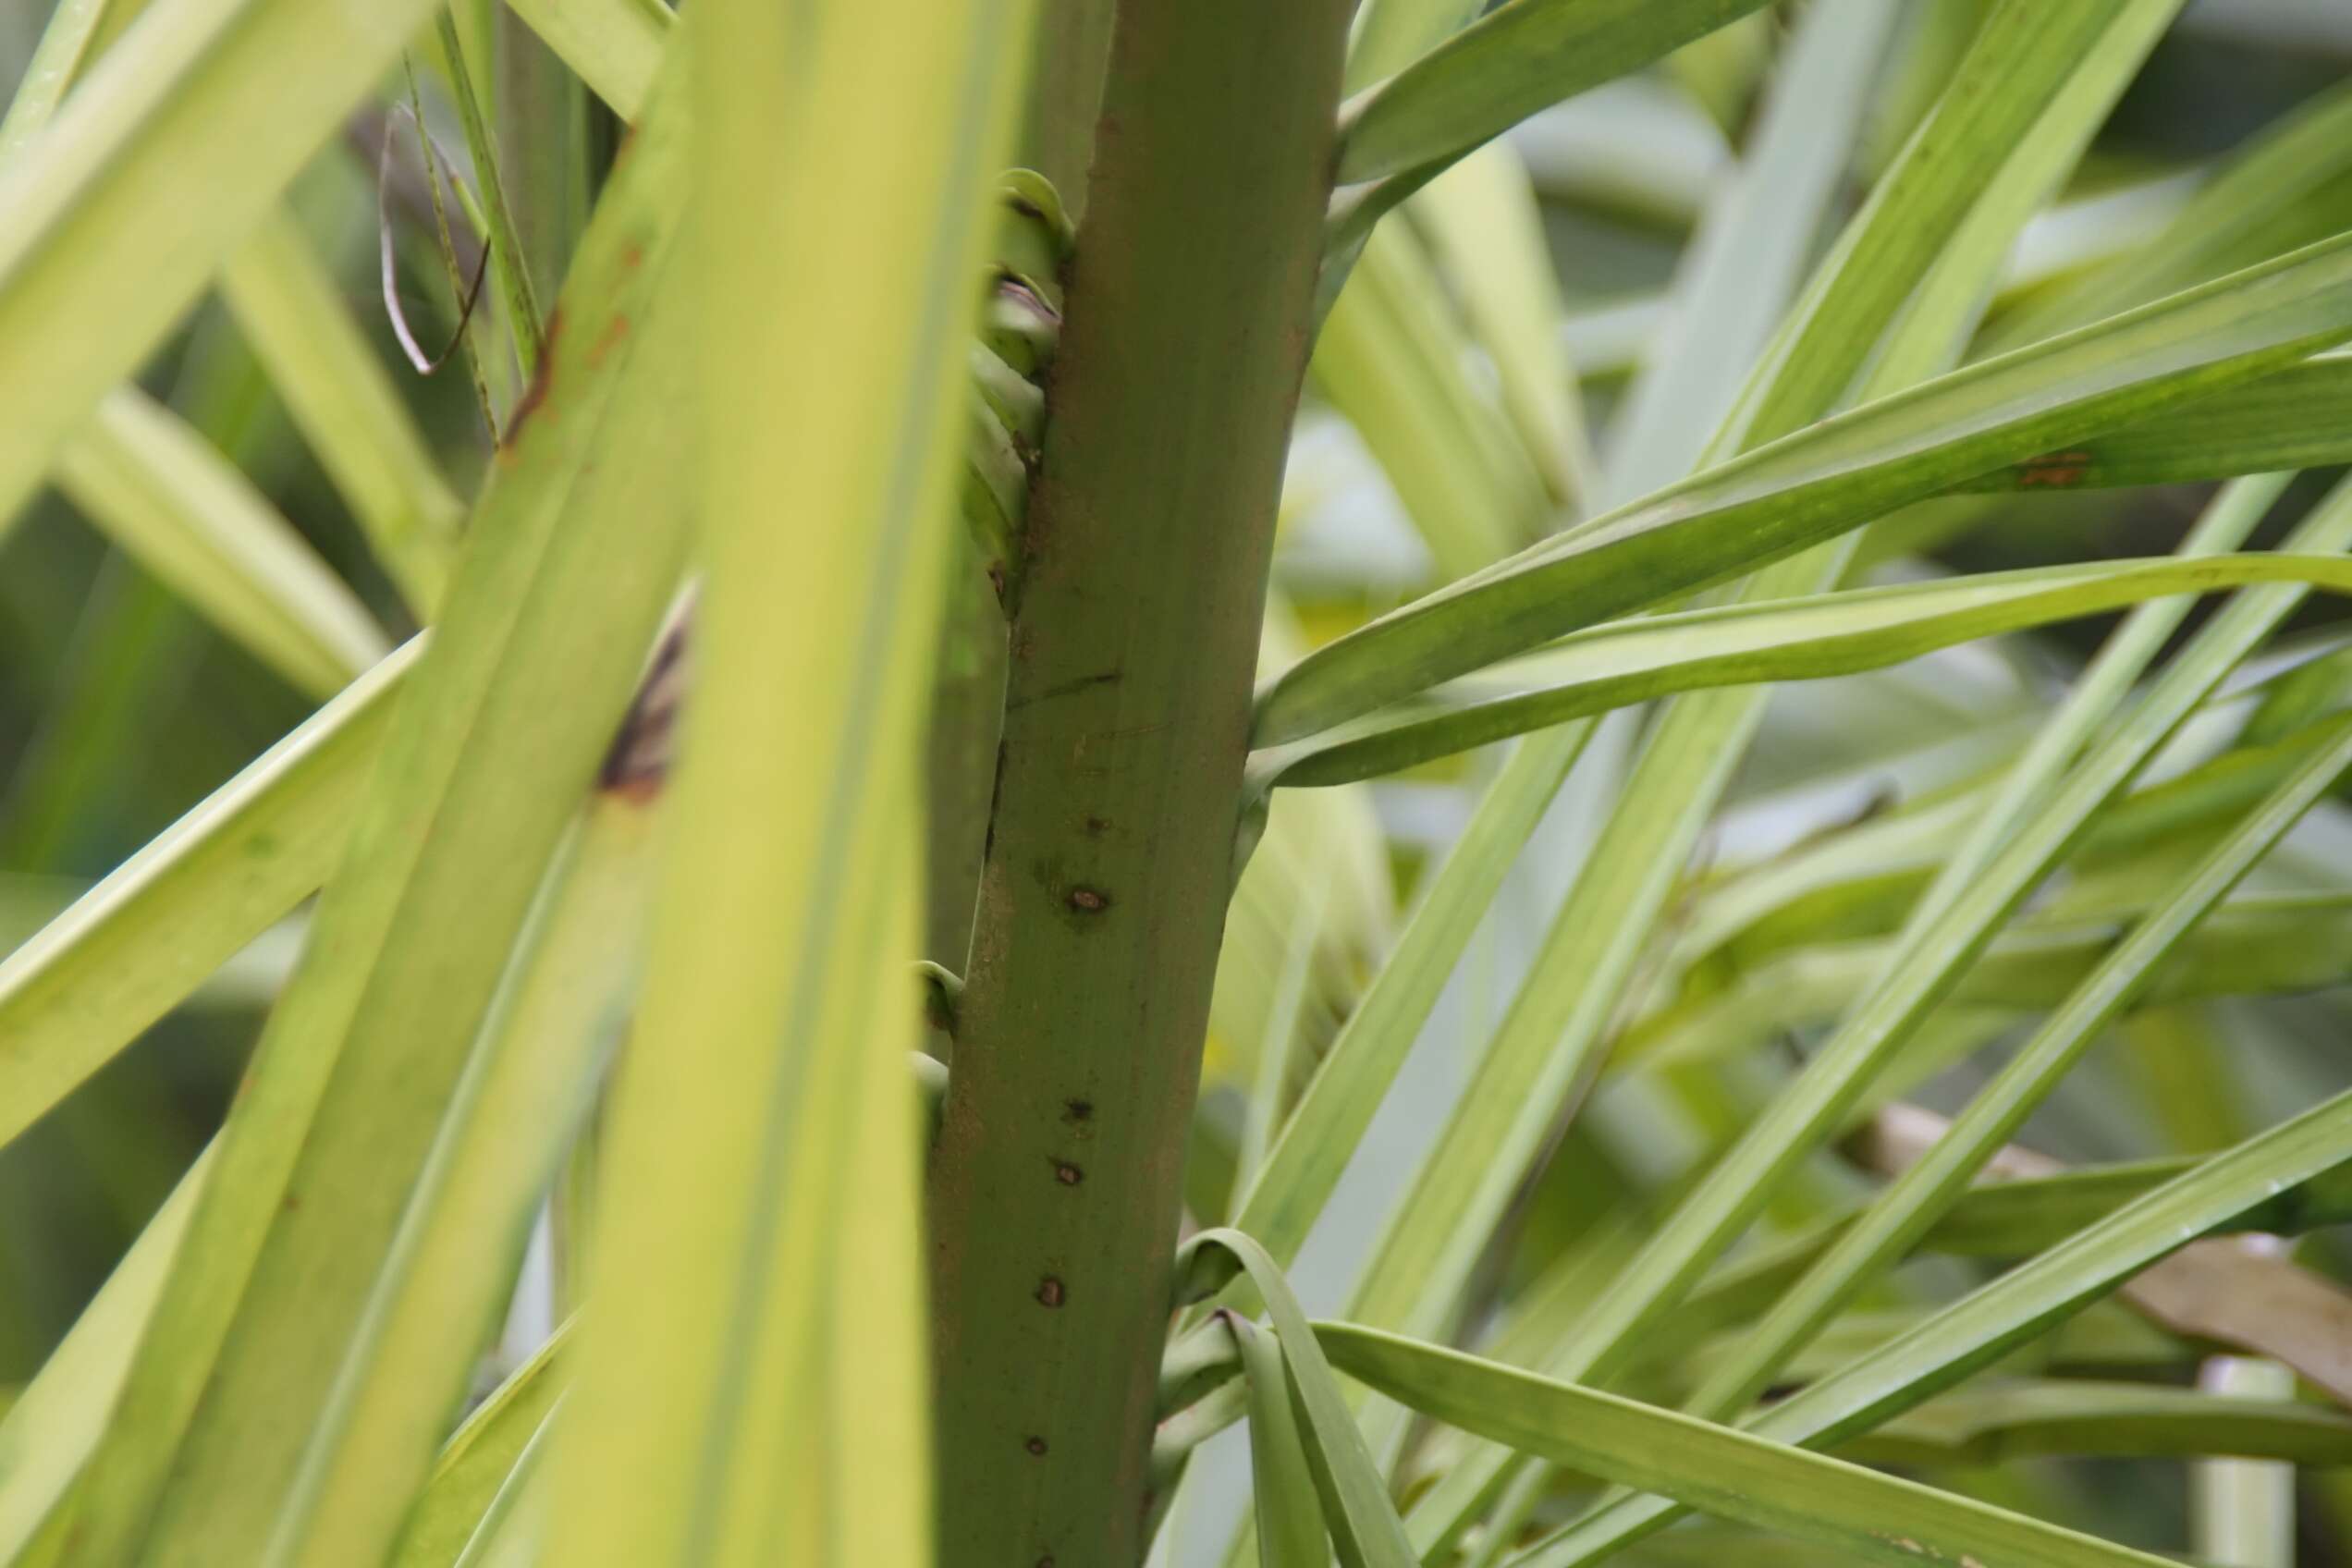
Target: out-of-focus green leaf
[77,31]
[1980,1327]
[514,1526]
[1943,938]
[1481,219]
[2006,1219]
[578,544]
[1311,916]
[1389,360]
[1991,1425]
[1725,1473]
[1911,1202]
[130,949]
[494,221]
[2301,417]
[1924,238]
[338,395]
[560,1014]
[1977,890]
[55,1421]
[1391,34]
[2263,947]
[185,512]
[2242,1511]
[766,1091]
[1289,1522]
[2287,187]
[1512,62]
[614,45]
[1918,226]
[1304,1165]
[1828,478]
[1748,257]
[478,1459]
[1631,661]
[195,521]
[104,247]
[1361,1520]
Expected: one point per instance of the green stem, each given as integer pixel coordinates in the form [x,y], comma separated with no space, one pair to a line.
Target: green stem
[547,147]
[1066,80]
[967,705]
[1056,1180]
[505,246]
[458,287]
[968,686]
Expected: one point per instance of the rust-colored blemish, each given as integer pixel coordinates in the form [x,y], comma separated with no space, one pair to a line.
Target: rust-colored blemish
[1049,1291]
[1067,1175]
[2053,471]
[615,330]
[1089,899]
[536,392]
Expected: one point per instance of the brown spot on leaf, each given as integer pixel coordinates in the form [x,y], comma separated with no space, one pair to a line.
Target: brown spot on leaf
[536,392]
[2053,471]
[637,763]
[615,332]
[1049,1291]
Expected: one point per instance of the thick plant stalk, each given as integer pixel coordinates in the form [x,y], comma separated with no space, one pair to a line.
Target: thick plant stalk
[1055,1185]
[960,748]
[967,689]
[1065,91]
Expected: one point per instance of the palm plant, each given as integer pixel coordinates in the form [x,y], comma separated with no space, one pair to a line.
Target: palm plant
[1074,708]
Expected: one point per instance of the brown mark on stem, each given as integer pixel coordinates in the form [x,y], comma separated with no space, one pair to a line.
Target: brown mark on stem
[1068,688]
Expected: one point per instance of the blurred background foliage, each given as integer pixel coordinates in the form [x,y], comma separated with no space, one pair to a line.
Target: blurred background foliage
[121,705]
